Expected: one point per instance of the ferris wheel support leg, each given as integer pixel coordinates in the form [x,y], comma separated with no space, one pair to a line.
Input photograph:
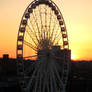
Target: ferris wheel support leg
[51,82]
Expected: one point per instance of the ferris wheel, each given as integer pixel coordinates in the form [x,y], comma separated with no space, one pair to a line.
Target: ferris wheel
[42,37]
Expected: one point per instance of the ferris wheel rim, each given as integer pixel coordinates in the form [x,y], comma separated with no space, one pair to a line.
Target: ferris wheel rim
[33,2]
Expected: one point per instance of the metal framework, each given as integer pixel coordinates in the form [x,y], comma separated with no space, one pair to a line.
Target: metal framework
[42,35]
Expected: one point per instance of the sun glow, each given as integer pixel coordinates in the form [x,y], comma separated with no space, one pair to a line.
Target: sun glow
[73,57]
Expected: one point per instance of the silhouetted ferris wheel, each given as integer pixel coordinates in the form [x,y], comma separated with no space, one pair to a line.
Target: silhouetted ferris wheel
[42,36]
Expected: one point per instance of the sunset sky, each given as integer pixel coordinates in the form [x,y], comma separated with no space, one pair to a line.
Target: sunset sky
[77,15]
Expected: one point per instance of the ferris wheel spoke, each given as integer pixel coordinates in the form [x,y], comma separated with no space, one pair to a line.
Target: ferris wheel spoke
[40,80]
[40,72]
[41,21]
[55,33]
[46,22]
[57,74]
[56,37]
[45,81]
[43,18]
[31,36]
[54,26]
[42,76]
[37,75]
[50,22]
[48,78]
[48,86]
[40,83]
[58,40]
[37,81]
[30,45]
[34,32]
[51,83]
[52,35]
[44,85]
[33,76]
[35,19]
[54,81]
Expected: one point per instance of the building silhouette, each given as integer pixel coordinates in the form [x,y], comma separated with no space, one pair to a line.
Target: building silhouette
[80,76]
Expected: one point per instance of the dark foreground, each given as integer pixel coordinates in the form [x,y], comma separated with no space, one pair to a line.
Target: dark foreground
[80,76]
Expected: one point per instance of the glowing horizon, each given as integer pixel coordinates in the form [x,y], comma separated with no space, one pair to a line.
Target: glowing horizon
[77,15]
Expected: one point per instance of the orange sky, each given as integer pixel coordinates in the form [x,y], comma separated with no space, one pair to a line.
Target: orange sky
[78,19]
